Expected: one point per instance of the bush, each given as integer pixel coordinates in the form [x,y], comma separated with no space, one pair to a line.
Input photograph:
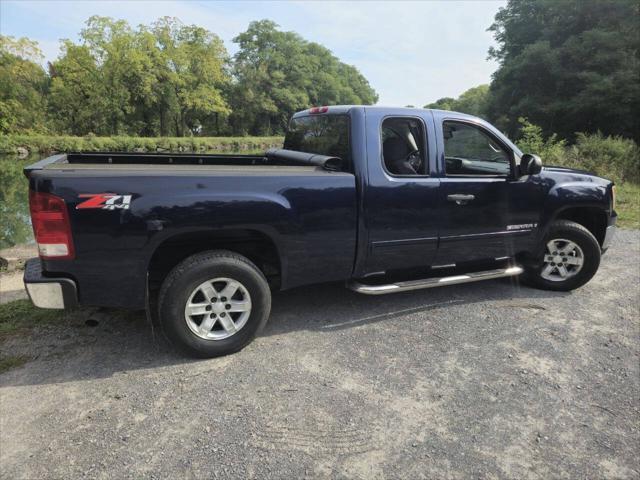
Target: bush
[551,150]
[615,158]
[91,143]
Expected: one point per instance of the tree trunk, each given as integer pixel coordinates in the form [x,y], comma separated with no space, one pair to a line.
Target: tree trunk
[182,123]
[163,124]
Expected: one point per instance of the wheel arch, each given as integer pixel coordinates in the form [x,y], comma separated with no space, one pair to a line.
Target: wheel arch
[593,218]
[253,243]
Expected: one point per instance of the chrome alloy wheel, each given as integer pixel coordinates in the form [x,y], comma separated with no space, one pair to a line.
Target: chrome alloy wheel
[218,308]
[562,260]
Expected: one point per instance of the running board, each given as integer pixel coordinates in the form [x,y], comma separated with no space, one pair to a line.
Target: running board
[434,282]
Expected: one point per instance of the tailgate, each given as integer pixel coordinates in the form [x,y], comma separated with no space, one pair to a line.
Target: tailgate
[60,158]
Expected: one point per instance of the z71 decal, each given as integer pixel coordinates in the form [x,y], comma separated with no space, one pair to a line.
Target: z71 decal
[104,201]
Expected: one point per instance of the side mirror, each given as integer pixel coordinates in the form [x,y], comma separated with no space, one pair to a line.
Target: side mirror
[530,164]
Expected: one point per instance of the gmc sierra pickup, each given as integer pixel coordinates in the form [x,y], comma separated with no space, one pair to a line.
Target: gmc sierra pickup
[386,199]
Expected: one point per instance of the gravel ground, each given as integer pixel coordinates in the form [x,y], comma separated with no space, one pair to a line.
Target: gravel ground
[488,380]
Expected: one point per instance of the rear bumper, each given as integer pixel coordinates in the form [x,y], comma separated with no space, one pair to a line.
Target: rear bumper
[48,292]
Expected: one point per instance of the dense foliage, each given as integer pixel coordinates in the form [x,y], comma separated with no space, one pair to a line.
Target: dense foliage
[616,158]
[23,86]
[170,79]
[612,157]
[278,73]
[474,102]
[570,66]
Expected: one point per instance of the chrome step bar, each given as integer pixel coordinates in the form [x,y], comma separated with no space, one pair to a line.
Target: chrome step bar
[433,282]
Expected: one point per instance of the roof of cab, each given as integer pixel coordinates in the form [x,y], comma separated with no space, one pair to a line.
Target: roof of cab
[342,109]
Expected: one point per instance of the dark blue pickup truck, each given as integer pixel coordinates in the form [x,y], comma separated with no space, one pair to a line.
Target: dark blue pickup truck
[384,199]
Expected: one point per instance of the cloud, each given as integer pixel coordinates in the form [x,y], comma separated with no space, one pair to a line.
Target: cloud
[411,52]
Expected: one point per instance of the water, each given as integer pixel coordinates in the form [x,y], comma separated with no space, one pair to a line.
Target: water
[15,224]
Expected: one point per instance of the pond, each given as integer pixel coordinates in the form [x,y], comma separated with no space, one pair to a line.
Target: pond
[15,223]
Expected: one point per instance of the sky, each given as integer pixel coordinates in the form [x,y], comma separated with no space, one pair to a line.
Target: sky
[412,53]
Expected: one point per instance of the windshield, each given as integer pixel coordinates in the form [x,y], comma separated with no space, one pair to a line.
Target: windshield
[320,134]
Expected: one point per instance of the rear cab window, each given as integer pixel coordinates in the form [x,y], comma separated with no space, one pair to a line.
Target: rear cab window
[403,146]
[322,135]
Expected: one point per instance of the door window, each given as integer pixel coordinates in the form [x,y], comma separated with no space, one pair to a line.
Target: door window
[469,150]
[403,146]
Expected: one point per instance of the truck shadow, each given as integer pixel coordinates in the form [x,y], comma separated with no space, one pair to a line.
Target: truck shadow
[333,307]
[122,342]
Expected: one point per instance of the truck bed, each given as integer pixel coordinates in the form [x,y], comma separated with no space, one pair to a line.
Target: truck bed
[305,212]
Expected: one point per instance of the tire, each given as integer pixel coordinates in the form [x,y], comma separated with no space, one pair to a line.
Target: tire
[193,328]
[547,274]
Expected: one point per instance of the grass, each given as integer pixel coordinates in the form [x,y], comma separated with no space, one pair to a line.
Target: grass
[21,315]
[9,362]
[628,205]
[18,317]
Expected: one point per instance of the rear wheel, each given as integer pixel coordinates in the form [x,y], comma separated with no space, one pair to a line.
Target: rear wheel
[571,258]
[214,303]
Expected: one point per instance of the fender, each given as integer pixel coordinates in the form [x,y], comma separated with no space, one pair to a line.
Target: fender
[569,195]
[224,212]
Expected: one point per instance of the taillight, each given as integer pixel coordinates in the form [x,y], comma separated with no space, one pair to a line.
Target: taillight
[51,226]
[319,110]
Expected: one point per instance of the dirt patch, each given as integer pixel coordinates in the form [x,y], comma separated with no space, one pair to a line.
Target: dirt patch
[11,263]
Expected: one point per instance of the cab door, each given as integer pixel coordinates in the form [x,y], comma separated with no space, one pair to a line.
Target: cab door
[400,202]
[477,169]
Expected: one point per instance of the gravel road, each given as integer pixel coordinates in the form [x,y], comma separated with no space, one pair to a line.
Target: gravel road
[488,380]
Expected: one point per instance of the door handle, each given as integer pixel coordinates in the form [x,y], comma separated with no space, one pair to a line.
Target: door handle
[460,198]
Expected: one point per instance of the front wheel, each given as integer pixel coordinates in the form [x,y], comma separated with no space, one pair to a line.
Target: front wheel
[571,258]
[214,303]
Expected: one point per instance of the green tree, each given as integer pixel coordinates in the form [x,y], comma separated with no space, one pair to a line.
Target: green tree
[277,73]
[23,86]
[193,74]
[568,66]
[165,80]
[77,102]
[171,79]
[97,85]
[473,101]
[444,103]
